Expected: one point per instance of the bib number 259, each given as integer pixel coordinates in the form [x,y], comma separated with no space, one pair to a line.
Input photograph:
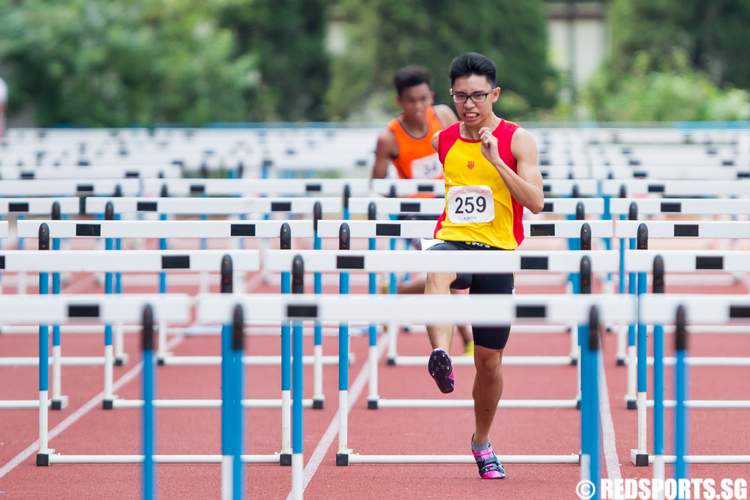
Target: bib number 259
[470,204]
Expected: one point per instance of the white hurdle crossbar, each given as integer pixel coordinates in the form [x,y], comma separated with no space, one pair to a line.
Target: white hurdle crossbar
[478,309]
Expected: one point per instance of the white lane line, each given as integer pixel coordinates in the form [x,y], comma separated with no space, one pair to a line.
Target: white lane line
[91,404]
[609,443]
[76,415]
[333,428]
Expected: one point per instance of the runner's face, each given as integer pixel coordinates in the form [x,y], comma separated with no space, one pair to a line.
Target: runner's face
[415,100]
[478,109]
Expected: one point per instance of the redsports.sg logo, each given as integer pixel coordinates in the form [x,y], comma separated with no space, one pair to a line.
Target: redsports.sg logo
[667,489]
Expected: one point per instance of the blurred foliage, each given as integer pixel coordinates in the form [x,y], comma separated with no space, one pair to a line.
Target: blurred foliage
[681,93]
[288,41]
[115,63]
[388,34]
[712,34]
[674,60]
[145,62]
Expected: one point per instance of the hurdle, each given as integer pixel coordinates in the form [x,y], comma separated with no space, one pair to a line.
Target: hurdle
[484,309]
[693,261]
[45,261]
[375,261]
[266,229]
[370,229]
[68,187]
[111,229]
[88,172]
[690,206]
[675,172]
[551,187]
[44,310]
[642,231]
[698,309]
[677,187]
[659,360]
[233,187]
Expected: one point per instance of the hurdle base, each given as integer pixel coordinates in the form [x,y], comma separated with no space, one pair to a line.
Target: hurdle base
[108,404]
[391,362]
[372,404]
[620,362]
[469,403]
[59,403]
[355,458]
[285,459]
[42,459]
[342,459]
[639,459]
[121,360]
[317,404]
[631,404]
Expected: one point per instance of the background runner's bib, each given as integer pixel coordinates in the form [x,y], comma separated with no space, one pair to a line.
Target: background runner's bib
[428,167]
[466,169]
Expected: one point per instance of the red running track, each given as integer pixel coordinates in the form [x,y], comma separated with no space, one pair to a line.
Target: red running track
[89,429]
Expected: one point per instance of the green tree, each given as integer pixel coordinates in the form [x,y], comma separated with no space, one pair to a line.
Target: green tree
[118,63]
[680,94]
[384,35]
[288,39]
[713,35]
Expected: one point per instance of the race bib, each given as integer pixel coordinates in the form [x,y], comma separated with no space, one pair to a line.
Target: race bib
[470,205]
[428,167]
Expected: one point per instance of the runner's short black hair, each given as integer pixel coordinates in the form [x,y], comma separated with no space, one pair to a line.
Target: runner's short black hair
[411,76]
[473,63]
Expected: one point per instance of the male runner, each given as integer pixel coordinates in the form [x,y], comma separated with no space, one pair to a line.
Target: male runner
[407,144]
[491,174]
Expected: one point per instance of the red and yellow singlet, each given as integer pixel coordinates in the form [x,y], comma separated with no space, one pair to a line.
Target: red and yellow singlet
[478,206]
[416,156]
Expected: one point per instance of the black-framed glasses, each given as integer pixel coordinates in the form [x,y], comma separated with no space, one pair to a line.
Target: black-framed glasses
[477,97]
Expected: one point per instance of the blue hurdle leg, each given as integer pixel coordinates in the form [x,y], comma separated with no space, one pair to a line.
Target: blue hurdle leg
[285,457]
[149,422]
[681,391]
[298,479]
[318,396]
[343,452]
[590,412]
[162,342]
[642,372]
[44,451]
[58,401]
[239,434]
[108,401]
[228,415]
[658,401]
[372,337]
[631,394]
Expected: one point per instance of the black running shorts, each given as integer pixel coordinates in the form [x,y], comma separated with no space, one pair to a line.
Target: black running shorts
[494,336]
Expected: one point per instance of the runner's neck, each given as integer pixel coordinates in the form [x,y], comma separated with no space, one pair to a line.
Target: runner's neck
[472,132]
[414,127]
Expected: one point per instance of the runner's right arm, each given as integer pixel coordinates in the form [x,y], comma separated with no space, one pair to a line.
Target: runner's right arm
[384,152]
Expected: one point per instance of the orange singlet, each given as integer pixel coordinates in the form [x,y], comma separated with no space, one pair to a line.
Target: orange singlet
[416,157]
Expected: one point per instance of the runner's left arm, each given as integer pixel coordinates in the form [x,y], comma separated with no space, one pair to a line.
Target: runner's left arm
[525,185]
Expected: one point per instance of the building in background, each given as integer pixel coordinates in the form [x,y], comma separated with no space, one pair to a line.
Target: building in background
[577,42]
